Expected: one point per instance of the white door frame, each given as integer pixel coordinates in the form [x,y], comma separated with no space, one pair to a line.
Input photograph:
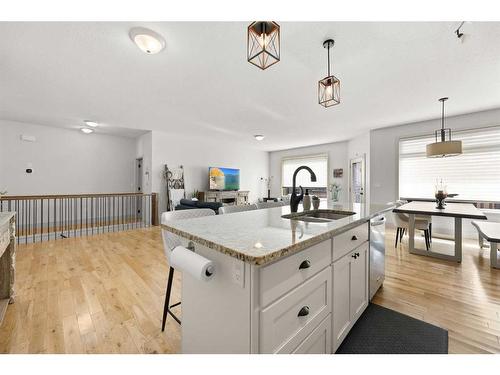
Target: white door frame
[352,161]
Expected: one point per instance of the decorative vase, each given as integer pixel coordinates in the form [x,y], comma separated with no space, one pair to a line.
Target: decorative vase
[315,202]
[440,195]
[335,195]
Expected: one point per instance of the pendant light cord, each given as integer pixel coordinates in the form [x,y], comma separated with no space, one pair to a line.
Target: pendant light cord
[328,60]
[442,123]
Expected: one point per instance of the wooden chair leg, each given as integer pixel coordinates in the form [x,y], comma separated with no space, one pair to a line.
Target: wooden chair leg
[167,297]
[397,236]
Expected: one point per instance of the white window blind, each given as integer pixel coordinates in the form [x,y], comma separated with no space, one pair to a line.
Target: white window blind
[319,165]
[474,175]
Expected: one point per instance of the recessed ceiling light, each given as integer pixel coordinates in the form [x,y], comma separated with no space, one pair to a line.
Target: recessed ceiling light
[259,137]
[91,123]
[87,130]
[147,40]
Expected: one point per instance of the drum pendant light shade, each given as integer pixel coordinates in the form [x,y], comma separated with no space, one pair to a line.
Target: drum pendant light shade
[263,44]
[444,149]
[444,146]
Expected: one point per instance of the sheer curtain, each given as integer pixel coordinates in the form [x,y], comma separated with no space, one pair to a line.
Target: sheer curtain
[474,175]
[319,165]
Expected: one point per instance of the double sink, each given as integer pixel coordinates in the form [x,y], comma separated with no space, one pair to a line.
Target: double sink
[319,216]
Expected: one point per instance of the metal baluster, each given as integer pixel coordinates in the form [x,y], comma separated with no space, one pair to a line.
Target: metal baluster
[123,224]
[86,216]
[32,217]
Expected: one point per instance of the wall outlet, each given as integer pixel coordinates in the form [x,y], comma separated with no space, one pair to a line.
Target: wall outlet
[239,272]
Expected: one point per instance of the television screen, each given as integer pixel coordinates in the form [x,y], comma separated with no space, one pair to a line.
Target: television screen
[224,178]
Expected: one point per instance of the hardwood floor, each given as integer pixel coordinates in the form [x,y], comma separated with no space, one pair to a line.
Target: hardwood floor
[461,298]
[101,294]
[104,294]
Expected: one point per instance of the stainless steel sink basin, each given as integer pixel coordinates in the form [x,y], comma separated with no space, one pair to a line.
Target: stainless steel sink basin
[319,216]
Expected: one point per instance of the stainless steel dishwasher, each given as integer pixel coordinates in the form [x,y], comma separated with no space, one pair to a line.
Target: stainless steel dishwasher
[377,253]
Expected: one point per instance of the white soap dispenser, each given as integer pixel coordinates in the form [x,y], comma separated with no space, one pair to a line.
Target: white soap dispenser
[306,201]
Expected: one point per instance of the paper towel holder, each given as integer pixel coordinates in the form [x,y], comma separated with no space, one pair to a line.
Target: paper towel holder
[209,272]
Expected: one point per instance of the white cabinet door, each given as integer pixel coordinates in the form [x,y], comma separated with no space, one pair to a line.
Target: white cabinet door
[359,281]
[350,291]
[341,299]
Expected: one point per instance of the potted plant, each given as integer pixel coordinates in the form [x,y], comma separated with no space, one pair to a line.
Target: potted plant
[268,181]
[335,191]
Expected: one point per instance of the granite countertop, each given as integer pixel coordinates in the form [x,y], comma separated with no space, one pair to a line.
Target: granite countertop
[5,217]
[262,236]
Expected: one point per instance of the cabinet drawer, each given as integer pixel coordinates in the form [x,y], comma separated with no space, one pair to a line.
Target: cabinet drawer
[284,275]
[295,315]
[319,341]
[347,241]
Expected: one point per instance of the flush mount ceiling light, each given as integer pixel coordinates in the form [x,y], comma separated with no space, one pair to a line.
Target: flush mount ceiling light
[147,40]
[91,123]
[259,137]
[329,87]
[86,130]
[444,147]
[263,43]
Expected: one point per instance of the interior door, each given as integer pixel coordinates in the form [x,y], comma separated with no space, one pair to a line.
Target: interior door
[357,180]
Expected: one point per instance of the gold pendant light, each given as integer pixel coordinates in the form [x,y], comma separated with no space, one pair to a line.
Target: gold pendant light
[444,147]
[263,43]
[329,87]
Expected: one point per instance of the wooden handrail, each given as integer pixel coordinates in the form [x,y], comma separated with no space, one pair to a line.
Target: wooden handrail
[56,196]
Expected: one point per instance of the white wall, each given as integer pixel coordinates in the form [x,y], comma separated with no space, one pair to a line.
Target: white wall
[337,158]
[196,154]
[384,154]
[358,147]
[64,161]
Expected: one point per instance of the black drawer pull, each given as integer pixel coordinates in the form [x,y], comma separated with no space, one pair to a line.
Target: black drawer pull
[357,255]
[305,264]
[354,256]
[354,238]
[304,311]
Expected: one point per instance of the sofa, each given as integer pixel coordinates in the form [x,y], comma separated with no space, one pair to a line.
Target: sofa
[188,204]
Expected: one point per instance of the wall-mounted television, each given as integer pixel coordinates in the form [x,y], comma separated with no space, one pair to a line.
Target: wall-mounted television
[224,178]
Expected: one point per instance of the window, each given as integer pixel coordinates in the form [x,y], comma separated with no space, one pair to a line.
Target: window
[319,165]
[474,175]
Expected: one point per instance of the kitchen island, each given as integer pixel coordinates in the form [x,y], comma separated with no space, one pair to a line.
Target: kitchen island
[281,285]
[7,260]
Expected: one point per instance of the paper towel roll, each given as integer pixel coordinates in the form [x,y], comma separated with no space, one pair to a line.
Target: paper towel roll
[185,260]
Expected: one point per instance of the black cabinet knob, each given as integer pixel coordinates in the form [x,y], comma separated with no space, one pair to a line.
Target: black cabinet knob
[354,256]
[354,238]
[304,311]
[357,255]
[305,264]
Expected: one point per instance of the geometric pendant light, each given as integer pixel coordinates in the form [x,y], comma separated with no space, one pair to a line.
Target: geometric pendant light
[329,87]
[444,146]
[263,43]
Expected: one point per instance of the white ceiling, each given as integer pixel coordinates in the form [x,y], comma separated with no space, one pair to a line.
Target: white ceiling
[61,73]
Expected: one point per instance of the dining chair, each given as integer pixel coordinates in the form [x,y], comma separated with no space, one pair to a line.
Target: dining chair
[422,222]
[240,208]
[270,204]
[170,242]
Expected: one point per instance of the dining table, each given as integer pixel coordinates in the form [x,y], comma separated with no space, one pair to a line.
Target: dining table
[458,211]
